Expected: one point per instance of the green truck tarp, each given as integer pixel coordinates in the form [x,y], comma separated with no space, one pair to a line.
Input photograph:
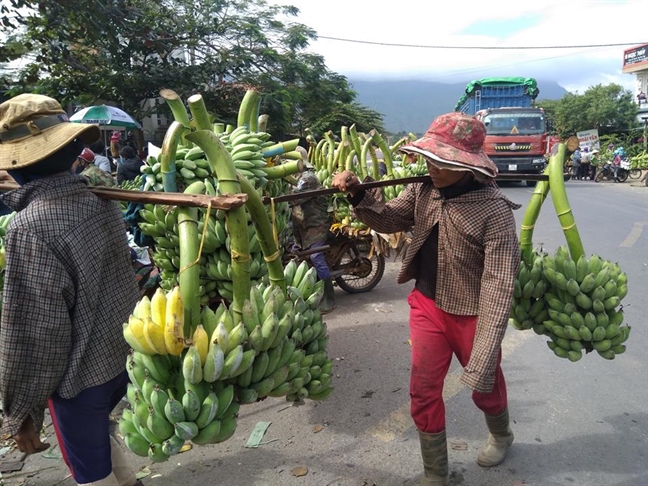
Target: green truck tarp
[530,83]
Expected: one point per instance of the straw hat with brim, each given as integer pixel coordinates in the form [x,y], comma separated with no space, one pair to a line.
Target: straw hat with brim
[455,140]
[33,127]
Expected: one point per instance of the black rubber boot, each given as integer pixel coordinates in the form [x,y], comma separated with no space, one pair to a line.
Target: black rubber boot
[327,303]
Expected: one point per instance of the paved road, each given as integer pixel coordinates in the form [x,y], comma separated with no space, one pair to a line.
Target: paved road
[576,424]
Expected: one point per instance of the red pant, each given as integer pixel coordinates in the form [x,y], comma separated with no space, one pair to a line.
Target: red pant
[435,335]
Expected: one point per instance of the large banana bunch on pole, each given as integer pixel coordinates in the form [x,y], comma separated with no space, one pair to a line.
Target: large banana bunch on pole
[191,367]
[572,299]
[180,165]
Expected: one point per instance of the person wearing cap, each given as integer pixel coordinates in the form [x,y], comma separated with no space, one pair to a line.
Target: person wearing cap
[129,167]
[464,257]
[69,287]
[311,223]
[93,174]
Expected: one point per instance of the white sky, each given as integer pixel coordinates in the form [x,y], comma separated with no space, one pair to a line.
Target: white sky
[467,23]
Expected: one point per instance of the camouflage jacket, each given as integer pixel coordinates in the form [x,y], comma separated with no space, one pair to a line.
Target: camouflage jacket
[310,217]
[97,177]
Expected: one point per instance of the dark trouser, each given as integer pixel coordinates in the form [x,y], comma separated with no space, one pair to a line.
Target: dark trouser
[319,262]
[82,428]
[575,171]
[436,336]
[584,171]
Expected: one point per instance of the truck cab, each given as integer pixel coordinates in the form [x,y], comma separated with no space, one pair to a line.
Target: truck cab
[515,138]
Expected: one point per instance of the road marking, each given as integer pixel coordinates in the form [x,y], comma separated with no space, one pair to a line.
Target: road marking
[400,420]
[634,235]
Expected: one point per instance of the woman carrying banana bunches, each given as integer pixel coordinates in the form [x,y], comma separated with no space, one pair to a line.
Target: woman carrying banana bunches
[69,286]
[464,256]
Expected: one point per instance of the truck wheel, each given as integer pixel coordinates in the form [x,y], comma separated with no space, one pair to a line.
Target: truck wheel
[531,183]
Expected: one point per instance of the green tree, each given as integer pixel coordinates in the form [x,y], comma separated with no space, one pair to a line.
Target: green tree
[608,108]
[124,51]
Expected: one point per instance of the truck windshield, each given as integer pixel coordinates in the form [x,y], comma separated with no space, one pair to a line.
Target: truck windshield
[514,123]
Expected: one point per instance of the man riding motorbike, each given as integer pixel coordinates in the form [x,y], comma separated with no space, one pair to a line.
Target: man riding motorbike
[311,222]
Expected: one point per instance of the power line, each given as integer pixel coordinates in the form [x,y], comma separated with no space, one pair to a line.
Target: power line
[494,48]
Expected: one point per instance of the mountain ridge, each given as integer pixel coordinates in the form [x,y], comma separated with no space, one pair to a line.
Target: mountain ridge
[410,105]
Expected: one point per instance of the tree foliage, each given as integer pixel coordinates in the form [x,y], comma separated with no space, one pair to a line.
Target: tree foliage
[124,51]
[608,108]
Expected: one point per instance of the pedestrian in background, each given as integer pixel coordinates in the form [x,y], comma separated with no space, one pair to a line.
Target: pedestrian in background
[576,163]
[101,161]
[464,257]
[69,287]
[129,166]
[586,158]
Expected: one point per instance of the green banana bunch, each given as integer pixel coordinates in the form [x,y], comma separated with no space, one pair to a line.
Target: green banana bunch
[528,308]
[582,302]
[289,339]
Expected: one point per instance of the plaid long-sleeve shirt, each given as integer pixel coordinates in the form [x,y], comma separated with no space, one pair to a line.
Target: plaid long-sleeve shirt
[478,258]
[69,286]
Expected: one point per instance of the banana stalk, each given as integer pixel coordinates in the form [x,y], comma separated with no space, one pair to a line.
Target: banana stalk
[176,105]
[561,203]
[254,116]
[283,170]
[189,276]
[386,151]
[375,169]
[399,144]
[357,146]
[349,161]
[264,234]
[247,107]
[221,164]
[219,128]
[172,138]
[281,148]
[330,155]
[363,159]
[530,217]
[199,113]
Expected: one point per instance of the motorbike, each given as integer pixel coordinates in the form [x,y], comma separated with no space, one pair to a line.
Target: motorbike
[355,266]
[607,172]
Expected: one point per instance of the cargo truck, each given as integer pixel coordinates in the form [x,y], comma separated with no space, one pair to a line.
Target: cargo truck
[516,132]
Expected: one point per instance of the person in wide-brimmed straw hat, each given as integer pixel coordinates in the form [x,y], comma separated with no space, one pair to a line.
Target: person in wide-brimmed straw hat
[464,257]
[69,286]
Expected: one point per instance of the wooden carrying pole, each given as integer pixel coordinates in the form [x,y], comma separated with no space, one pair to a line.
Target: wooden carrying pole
[395,182]
[225,202]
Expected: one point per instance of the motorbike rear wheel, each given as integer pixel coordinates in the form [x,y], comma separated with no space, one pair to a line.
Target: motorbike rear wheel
[635,173]
[369,271]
